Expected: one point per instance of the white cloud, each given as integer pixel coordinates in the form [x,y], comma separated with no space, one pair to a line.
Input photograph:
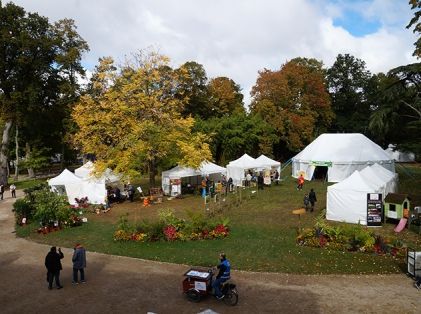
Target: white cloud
[235,38]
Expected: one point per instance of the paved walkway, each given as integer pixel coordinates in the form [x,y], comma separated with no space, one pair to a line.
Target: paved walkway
[126,285]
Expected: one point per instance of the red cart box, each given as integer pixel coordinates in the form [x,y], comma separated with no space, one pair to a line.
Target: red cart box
[197,279]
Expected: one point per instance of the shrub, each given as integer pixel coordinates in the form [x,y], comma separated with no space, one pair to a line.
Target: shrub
[23,208]
[50,207]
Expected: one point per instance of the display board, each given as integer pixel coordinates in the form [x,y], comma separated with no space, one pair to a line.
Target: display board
[374,209]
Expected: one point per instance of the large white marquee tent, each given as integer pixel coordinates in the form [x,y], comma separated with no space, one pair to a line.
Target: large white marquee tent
[341,154]
[347,200]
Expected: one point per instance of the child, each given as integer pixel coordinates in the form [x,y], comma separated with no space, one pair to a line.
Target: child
[306,201]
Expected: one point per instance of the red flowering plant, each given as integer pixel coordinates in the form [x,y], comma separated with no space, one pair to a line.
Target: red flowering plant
[170,233]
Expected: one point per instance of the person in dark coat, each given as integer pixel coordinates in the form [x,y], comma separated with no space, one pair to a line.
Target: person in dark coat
[312,198]
[53,265]
[130,192]
[260,182]
[79,263]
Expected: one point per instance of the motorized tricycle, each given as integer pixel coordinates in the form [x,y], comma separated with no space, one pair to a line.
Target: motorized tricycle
[198,284]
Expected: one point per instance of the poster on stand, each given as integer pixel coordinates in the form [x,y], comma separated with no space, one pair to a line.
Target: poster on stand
[374,209]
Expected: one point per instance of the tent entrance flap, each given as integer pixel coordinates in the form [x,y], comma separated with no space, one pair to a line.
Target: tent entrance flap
[320,173]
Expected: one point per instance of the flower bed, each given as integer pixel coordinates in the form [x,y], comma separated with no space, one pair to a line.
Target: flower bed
[349,238]
[171,228]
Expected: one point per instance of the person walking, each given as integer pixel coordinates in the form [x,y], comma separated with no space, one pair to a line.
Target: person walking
[306,202]
[13,190]
[300,182]
[79,263]
[312,198]
[1,191]
[53,265]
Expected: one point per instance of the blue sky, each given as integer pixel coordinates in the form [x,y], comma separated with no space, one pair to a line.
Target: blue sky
[356,24]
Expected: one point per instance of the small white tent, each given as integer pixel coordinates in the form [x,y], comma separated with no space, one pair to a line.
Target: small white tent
[236,168]
[399,156]
[389,177]
[206,169]
[266,162]
[347,200]
[66,183]
[86,170]
[340,155]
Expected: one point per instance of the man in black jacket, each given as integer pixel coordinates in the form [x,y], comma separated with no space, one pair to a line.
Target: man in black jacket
[312,198]
[53,265]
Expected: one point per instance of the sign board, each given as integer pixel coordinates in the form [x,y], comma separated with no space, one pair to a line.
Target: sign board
[321,163]
[374,209]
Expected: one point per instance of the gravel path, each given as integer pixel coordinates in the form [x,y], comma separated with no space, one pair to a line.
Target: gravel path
[127,285]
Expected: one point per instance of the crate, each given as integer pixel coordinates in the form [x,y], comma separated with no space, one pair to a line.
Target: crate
[198,280]
[413,259]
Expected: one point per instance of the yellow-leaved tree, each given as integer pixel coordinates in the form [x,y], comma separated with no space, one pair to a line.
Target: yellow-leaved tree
[131,121]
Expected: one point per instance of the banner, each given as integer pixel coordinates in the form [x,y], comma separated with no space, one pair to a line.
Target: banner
[321,163]
[374,209]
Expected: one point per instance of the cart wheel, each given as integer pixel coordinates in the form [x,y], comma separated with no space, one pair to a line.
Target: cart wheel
[231,297]
[193,295]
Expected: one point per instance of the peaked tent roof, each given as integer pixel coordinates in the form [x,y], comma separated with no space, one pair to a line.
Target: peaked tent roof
[266,161]
[245,162]
[382,172]
[342,148]
[85,172]
[208,167]
[65,177]
[355,182]
[205,168]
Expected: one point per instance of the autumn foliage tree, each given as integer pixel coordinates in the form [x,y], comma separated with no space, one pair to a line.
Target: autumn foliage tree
[225,97]
[131,120]
[294,101]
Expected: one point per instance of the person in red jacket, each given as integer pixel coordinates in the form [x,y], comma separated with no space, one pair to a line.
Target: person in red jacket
[300,182]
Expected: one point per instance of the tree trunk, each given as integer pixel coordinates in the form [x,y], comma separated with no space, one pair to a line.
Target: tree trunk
[3,152]
[62,157]
[31,173]
[17,153]
[152,173]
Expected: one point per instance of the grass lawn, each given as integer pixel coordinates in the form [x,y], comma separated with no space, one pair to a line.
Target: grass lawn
[262,237]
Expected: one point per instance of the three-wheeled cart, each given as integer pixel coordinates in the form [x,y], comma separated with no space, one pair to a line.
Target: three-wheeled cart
[198,284]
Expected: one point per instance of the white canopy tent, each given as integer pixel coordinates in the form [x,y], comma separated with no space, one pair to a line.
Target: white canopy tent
[236,168]
[266,162]
[206,169]
[347,200]
[341,154]
[86,171]
[66,183]
[399,156]
[375,175]
[389,177]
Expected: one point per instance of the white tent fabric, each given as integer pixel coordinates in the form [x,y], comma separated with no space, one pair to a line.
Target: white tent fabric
[236,168]
[347,200]
[206,168]
[76,187]
[266,162]
[65,177]
[398,155]
[85,171]
[342,154]
[389,177]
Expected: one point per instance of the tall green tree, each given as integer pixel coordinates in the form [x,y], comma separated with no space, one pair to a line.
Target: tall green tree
[348,81]
[294,101]
[397,118]
[193,87]
[35,62]
[231,136]
[415,22]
